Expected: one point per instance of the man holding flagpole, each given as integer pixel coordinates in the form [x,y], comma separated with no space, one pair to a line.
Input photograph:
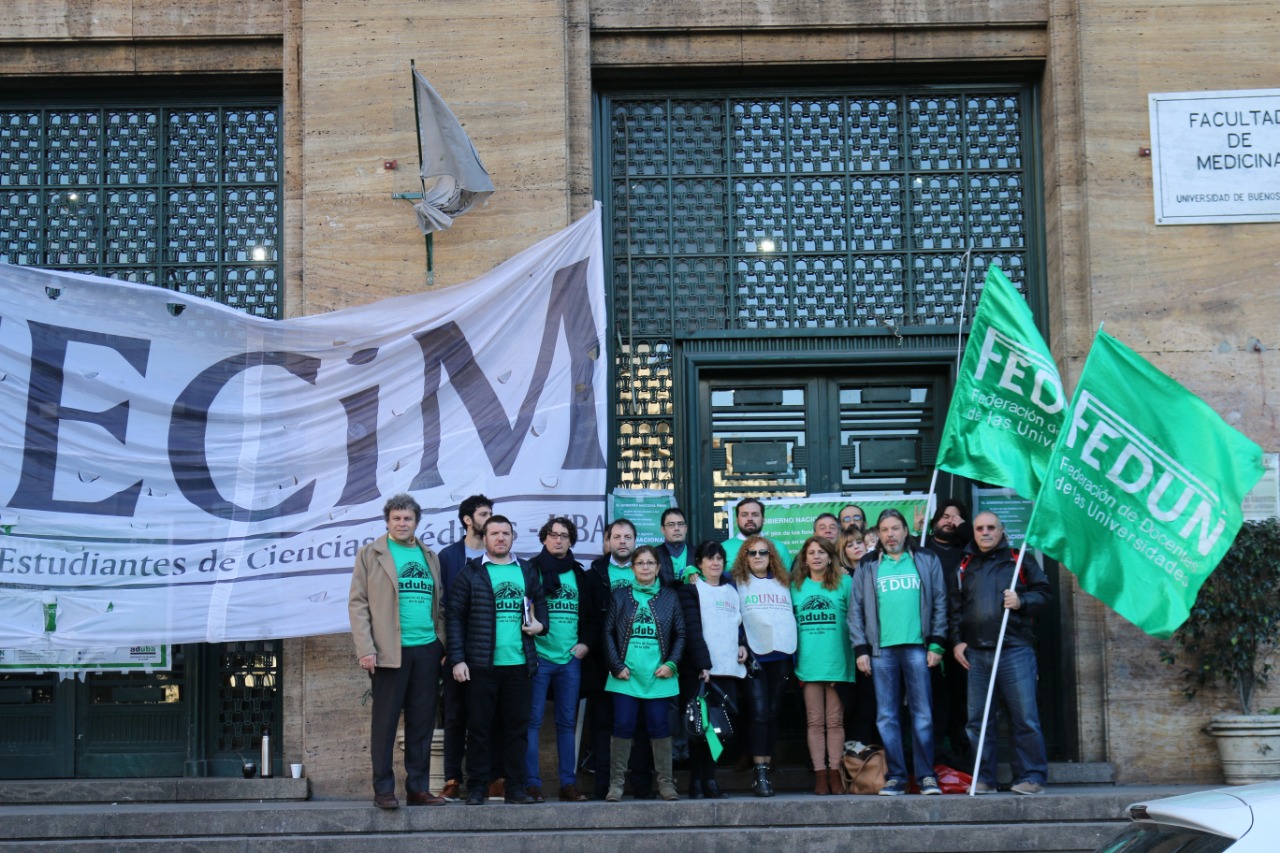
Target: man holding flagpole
[977,606]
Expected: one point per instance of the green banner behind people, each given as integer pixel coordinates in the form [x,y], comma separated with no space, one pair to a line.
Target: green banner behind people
[1007,408]
[1144,488]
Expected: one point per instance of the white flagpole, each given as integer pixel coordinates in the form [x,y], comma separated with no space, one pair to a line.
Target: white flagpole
[928,508]
[930,502]
[995,662]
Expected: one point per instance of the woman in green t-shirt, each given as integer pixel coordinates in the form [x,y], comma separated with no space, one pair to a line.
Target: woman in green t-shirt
[644,639]
[820,596]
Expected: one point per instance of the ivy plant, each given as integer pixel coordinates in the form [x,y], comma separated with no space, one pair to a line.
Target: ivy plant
[1234,627]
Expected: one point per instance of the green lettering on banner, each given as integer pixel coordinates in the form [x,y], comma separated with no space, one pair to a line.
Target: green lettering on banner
[1007,409]
[1142,501]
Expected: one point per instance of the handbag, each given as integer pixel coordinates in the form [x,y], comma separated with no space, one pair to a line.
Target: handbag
[718,708]
[863,771]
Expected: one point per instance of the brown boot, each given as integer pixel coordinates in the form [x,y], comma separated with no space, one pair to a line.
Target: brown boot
[821,782]
[835,782]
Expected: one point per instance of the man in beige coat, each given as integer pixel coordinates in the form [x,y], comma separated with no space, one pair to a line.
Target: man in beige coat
[397,622]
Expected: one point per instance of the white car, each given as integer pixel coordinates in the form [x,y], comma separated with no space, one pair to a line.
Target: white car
[1244,819]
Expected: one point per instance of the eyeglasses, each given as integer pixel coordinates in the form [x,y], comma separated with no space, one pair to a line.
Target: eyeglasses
[757,552]
[645,564]
[676,524]
[557,535]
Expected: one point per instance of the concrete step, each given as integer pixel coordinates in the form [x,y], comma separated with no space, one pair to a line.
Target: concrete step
[1067,820]
[178,790]
[226,789]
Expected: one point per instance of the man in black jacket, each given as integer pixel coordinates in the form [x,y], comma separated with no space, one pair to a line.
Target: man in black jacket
[949,535]
[495,609]
[472,515]
[673,553]
[982,595]
[571,631]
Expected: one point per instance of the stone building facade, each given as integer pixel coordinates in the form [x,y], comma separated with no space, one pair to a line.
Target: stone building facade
[561,98]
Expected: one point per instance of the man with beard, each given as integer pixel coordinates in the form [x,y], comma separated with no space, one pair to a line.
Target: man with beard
[495,609]
[897,625]
[977,609]
[853,515]
[561,651]
[472,515]
[950,533]
[748,515]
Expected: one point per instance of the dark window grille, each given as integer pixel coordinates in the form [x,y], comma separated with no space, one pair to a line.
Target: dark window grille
[751,215]
[248,697]
[186,197]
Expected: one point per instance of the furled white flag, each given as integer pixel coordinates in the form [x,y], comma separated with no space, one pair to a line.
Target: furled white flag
[448,157]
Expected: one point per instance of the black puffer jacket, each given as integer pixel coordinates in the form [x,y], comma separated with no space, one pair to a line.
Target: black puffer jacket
[472,620]
[977,603]
[665,607]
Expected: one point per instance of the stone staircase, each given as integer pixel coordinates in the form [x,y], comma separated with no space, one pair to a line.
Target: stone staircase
[1068,818]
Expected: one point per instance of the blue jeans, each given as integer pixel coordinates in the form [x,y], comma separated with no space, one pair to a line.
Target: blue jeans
[564,679]
[1016,685]
[895,666]
[627,711]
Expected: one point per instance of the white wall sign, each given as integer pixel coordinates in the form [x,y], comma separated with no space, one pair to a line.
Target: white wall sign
[1215,156]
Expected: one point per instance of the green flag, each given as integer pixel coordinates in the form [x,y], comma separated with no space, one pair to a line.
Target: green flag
[1007,408]
[1143,493]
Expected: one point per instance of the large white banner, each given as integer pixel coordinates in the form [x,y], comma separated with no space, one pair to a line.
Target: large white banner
[172,470]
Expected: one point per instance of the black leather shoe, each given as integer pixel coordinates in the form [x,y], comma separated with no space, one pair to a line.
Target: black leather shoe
[713,791]
[477,796]
[516,796]
[695,789]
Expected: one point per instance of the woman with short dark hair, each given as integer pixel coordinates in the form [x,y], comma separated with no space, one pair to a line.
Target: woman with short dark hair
[714,652]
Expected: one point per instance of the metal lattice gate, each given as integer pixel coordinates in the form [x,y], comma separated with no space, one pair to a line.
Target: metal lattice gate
[187,197]
[800,215]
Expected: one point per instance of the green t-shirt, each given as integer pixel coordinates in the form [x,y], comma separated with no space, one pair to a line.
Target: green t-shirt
[823,652]
[562,616]
[620,576]
[680,564]
[643,658]
[898,596]
[417,590]
[508,604]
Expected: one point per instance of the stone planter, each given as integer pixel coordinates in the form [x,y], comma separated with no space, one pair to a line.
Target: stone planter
[1249,747]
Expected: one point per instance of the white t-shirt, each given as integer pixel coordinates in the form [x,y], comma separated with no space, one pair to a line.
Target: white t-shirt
[767,615]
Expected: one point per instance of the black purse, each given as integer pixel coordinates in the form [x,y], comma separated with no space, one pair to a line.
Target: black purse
[719,707]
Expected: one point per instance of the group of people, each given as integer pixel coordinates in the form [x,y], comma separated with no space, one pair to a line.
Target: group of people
[861,618]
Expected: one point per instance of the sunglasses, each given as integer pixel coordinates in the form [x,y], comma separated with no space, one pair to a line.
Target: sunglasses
[757,552]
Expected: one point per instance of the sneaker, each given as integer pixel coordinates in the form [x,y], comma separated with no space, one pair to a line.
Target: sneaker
[452,791]
[476,797]
[983,788]
[497,789]
[1028,787]
[893,788]
[929,786]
